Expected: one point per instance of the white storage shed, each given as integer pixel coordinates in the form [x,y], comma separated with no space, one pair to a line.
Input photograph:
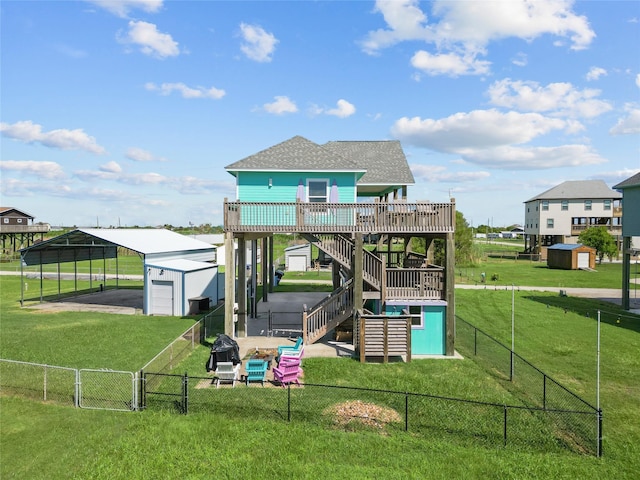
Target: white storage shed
[180,287]
[298,258]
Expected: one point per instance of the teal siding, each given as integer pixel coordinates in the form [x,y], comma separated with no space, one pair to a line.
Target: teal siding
[631,212]
[282,187]
[254,186]
[430,338]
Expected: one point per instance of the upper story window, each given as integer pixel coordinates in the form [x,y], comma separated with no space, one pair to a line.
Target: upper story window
[549,222]
[565,205]
[587,204]
[19,220]
[318,191]
[607,204]
[545,205]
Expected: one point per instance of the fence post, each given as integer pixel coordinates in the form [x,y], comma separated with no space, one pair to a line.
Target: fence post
[289,402]
[599,417]
[475,341]
[544,391]
[141,390]
[511,365]
[406,411]
[44,386]
[185,393]
[504,433]
[77,390]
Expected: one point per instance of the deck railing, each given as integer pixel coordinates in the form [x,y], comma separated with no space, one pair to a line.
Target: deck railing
[375,217]
[328,313]
[415,283]
[40,228]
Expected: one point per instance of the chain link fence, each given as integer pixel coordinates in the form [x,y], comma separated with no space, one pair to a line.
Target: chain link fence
[352,409]
[40,382]
[576,420]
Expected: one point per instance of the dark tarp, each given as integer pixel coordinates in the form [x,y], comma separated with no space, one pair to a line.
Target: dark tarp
[224,349]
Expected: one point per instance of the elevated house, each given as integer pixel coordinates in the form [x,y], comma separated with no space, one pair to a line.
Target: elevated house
[631,230]
[562,213]
[18,230]
[335,195]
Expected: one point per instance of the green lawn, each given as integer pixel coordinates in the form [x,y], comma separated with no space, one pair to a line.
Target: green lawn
[49,441]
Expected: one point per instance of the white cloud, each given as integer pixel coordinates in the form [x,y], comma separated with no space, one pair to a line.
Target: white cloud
[534,158]
[139,155]
[258,44]
[29,132]
[438,173]
[451,64]
[464,132]
[405,21]
[520,59]
[121,8]
[492,139]
[151,41]
[638,80]
[595,73]
[344,109]
[46,170]
[111,167]
[628,124]
[461,30]
[281,106]
[12,187]
[562,99]
[185,91]
[477,23]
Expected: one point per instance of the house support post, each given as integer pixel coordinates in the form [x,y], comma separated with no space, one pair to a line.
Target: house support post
[626,271]
[264,268]
[242,287]
[358,267]
[449,287]
[229,284]
[271,269]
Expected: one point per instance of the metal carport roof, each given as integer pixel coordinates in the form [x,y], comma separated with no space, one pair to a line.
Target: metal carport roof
[97,243]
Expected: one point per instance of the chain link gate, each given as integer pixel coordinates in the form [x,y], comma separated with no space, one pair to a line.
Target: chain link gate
[108,390]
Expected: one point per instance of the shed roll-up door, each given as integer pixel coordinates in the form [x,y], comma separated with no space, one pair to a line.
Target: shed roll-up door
[161,297]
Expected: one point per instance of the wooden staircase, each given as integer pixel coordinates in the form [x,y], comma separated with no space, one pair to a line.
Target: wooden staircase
[328,314]
[341,249]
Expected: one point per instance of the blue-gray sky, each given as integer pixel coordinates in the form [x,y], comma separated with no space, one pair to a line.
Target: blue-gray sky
[126,112]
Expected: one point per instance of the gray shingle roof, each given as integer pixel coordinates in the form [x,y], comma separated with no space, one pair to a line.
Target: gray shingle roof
[384,161]
[297,154]
[576,189]
[633,181]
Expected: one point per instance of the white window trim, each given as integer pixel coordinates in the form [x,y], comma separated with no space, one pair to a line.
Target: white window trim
[326,193]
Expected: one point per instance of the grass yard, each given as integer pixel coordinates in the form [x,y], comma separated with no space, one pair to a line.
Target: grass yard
[537,274]
[80,339]
[42,440]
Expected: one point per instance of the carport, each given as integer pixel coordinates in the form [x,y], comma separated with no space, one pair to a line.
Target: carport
[98,245]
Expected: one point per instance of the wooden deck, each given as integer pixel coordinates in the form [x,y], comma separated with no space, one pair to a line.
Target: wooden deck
[375,217]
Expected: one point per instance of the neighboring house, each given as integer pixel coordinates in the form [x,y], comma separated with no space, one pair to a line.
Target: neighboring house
[17,229]
[335,196]
[631,230]
[562,213]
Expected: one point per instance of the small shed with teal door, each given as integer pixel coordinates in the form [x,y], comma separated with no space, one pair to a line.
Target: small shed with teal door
[428,324]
